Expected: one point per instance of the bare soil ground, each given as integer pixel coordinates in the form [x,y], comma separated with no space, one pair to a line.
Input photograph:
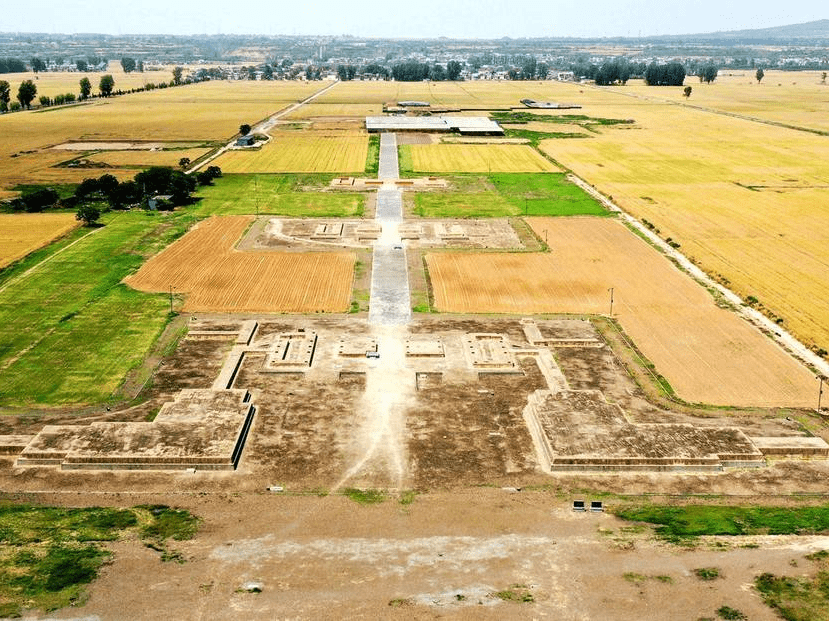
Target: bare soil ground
[444,556]
[465,537]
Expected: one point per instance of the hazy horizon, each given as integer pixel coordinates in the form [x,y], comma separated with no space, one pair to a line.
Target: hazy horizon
[462,19]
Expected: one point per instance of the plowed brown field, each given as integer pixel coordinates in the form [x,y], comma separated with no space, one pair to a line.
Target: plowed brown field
[219,278]
[708,354]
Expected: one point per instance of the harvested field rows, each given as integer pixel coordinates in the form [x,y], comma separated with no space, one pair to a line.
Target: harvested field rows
[20,234]
[218,278]
[745,200]
[708,354]
[477,158]
[343,152]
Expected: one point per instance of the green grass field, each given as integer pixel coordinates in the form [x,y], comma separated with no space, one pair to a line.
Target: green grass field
[49,554]
[282,195]
[69,330]
[678,522]
[508,194]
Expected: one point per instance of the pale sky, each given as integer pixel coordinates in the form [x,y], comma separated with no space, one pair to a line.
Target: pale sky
[406,18]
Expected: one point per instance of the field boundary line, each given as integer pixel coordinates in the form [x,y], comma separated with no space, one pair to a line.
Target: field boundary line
[724,113]
[50,257]
[264,125]
[778,334]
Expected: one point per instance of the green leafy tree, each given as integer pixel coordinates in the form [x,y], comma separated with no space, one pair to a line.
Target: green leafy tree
[244,129]
[86,88]
[687,92]
[128,64]
[709,73]
[759,75]
[89,214]
[177,75]
[823,78]
[26,93]
[5,95]
[106,85]
[39,199]
[82,65]
[184,162]
[38,65]
[453,70]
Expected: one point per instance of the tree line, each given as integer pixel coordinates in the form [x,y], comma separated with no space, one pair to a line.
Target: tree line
[27,92]
[106,190]
[414,71]
[36,64]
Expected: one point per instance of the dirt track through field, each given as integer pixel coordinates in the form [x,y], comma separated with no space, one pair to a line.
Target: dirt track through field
[708,354]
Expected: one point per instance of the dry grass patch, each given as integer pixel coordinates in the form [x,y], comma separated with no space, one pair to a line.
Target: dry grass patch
[20,234]
[478,158]
[143,157]
[342,152]
[218,278]
[348,110]
[708,354]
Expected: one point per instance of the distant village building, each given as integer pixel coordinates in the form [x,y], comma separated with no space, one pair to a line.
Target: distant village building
[481,126]
[566,76]
[158,201]
[245,141]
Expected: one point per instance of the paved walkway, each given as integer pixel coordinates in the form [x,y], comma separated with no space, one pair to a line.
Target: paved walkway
[388,157]
[389,303]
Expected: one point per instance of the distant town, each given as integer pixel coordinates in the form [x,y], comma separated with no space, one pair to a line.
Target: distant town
[232,57]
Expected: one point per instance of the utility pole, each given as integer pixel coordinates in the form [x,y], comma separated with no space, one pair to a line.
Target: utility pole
[611,301]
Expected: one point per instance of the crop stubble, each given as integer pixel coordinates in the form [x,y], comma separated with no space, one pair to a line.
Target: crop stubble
[219,278]
[707,353]
[469,158]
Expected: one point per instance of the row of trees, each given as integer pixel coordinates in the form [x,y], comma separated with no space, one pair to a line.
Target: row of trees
[669,74]
[27,92]
[415,72]
[17,65]
[106,189]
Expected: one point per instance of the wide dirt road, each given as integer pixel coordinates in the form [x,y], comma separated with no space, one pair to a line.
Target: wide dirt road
[446,555]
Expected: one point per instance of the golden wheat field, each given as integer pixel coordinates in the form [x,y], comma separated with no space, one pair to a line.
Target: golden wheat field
[744,199]
[292,152]
[145,157]
[351,111]
[209,111]
[20,234]
[61,82]
[216,277]
[798,98]
[478,158]
[708,354]
[476,95]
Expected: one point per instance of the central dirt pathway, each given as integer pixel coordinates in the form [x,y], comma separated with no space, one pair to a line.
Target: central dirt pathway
[379,444]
